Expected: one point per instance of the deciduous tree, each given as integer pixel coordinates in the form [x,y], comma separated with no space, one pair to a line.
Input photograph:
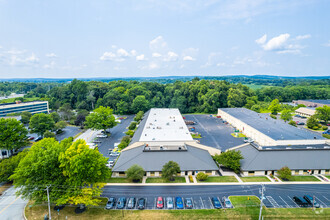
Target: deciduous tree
[13,134]
[230,159]
[135,173]
[101,118]
[40,123]
[323,113]
[275,106]
[170,170]
[284,173]
[286,115]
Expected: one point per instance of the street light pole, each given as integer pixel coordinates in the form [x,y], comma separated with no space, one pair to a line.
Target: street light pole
[50,217]
[262,197]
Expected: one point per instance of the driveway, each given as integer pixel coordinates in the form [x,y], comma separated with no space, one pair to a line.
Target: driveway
[214,132]
[11,207]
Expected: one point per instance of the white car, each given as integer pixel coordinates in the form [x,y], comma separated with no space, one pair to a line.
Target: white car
[102,136]
[114,154]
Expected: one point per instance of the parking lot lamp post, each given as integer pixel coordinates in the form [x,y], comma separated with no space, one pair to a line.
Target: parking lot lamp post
[262,197]
[50,217]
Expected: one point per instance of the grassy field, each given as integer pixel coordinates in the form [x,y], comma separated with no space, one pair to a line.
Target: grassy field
[255,179]
[120,180]
[220,179]
[25,100]
[245,208]
[162,180]
[303,178]
[196,136]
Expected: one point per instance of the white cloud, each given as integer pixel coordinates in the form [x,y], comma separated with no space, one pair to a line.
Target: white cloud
[277,43]
[171,56]
[122,53]
[188,58]
[302,37]
[108,56]
[118,56]
[16,52]
[262,39]
[50,65]
[141,58]
[212,59]
[32,59]
[158,44]
[51,55]
[156,55]
[133,53]
[153,66]
[327,44]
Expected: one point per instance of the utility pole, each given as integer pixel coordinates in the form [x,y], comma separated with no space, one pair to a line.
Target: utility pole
[50,217]
[261,191]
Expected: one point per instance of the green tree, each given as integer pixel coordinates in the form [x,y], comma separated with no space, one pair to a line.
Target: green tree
[13,134]
[122,107]
[323,113]
[135,173]
[40,123]
[55,116]
[256,108]
[286,115]
[170,170]
[236,98]
[230,159]
[274,106]
[140,103]
[65,112]
[284,173]
[101,118]
[49,134]
[312,122]
[60,125]
[293,123]
[201,176]
[8,165]
[130,133]
[139,116]
[132,126]
[25,117]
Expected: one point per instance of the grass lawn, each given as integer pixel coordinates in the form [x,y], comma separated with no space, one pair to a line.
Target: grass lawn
[179,179]
[120,180]
[327,176]
[240,135]
[219,179]
[303,178]
[244,209]
[25,100]
[196,136]
[255,179]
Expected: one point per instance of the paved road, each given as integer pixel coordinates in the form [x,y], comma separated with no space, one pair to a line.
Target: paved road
[69,131]
[214,132]
[11,207]
[117,133]
[276,196]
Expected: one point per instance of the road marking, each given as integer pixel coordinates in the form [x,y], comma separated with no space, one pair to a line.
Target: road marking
[10,204]
[287,205]
[203,207]
[325,205]
[211,203]
[272,201]
[326,198]
[294,202]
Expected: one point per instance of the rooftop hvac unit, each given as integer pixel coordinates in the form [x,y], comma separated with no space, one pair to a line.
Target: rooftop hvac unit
[180,127]
[167,123]
[153,139]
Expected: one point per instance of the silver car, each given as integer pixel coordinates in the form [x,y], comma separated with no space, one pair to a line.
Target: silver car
[227,203]
[169,203]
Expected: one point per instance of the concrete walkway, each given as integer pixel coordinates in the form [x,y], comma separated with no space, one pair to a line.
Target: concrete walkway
[144,179]
[187,179]
[271,179]
[316,176]
[195,180]
[237,177]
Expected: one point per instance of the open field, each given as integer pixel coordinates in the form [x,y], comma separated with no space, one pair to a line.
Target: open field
[162,180]
[220,179]
[255,179]
[247,207]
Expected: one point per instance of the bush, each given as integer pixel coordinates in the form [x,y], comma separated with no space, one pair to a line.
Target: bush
[284,173]
[315,128]
[273,116]
[191,179]
[49,134]
[130,133]
[132,126]
[293,123]
[135,173]
[201,176]
[326,136]
[324,128]
[139,116]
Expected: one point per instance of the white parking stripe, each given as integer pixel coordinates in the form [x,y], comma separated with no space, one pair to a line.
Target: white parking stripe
[287,205]
[203,207]
[326,198]
[294,202]
[320,201]
[272,201]
[211,203]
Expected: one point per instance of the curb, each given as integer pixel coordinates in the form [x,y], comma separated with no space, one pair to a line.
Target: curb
[24,211]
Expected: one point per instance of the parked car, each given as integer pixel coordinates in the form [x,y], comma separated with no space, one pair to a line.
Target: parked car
[216,203]
[30,138]
[189,203]
[131,203]
[178,203]
[160,202]
[121,203]
[141,203]
[298,116]
[102,136]
[311,201]
[110,163]
[38,139]
[227,203]
[111,203]
[114,154]
[303,117]
[300,201]
[169,203]
[326,132]
[300,123]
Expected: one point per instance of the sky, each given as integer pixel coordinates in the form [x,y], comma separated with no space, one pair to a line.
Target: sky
[152,38]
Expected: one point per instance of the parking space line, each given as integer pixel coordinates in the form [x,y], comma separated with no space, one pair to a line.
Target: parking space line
[211,203]
[272,201]
[326,198]
[287,205]
[317,199]
[154,206]
[220,203]
[203,207]
[297,206]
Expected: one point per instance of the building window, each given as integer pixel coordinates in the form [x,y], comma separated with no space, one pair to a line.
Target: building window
[121,173]
[251,172]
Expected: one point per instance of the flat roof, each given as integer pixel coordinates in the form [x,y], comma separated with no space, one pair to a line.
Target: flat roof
[306,110]
[13,104]
[306,159]
[319,101]
[190,159]
[273,128]
[162,124]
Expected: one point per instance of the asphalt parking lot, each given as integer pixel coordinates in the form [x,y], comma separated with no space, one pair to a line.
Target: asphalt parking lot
[214,132]
[117,133]
[276,196]
[69,131]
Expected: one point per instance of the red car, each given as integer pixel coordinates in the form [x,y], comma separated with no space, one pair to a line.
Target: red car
[160,202]
[30,138]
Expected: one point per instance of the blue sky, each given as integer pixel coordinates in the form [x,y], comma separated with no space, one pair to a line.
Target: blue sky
[117,38]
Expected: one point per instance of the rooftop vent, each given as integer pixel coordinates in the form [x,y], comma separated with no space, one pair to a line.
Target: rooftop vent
[167,123]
